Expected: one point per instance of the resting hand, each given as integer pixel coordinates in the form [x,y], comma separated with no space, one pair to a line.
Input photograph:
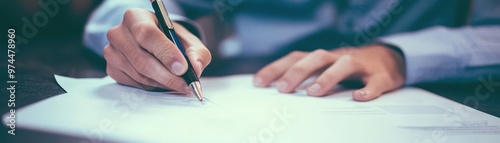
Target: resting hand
[381,69]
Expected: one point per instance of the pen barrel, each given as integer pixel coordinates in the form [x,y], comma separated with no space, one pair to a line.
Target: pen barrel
[162,16]
[190,76]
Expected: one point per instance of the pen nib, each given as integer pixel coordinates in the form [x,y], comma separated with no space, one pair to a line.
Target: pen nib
[197,90]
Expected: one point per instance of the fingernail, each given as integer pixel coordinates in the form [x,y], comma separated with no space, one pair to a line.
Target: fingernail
[361,93]
[257,82]
[314,89]
[177,68]
[282,85]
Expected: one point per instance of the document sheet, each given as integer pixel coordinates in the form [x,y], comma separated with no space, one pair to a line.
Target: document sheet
[234,111]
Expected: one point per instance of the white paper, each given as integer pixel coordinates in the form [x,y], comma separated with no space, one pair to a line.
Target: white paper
[101,110]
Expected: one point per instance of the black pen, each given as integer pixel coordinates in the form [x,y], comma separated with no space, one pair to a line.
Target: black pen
[168,29]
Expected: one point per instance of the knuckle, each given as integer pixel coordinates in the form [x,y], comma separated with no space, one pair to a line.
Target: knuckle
[322,56]
[142,31]
[129,14]
[107,52]
[296,54]
[349,59]
[321,51]
[346,50]
[111,34]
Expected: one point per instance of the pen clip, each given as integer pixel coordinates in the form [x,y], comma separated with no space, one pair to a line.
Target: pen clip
[164,13]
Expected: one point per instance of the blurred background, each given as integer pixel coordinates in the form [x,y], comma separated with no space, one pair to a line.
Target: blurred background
[68,20]
[61,33]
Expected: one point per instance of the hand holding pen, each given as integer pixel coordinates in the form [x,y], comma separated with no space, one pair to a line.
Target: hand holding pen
[140,55]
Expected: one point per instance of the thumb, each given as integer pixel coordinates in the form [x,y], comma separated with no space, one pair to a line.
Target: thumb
[375,86]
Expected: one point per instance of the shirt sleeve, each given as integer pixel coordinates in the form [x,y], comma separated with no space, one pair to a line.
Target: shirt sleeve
[442,54]
[110,13]
[449,54]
